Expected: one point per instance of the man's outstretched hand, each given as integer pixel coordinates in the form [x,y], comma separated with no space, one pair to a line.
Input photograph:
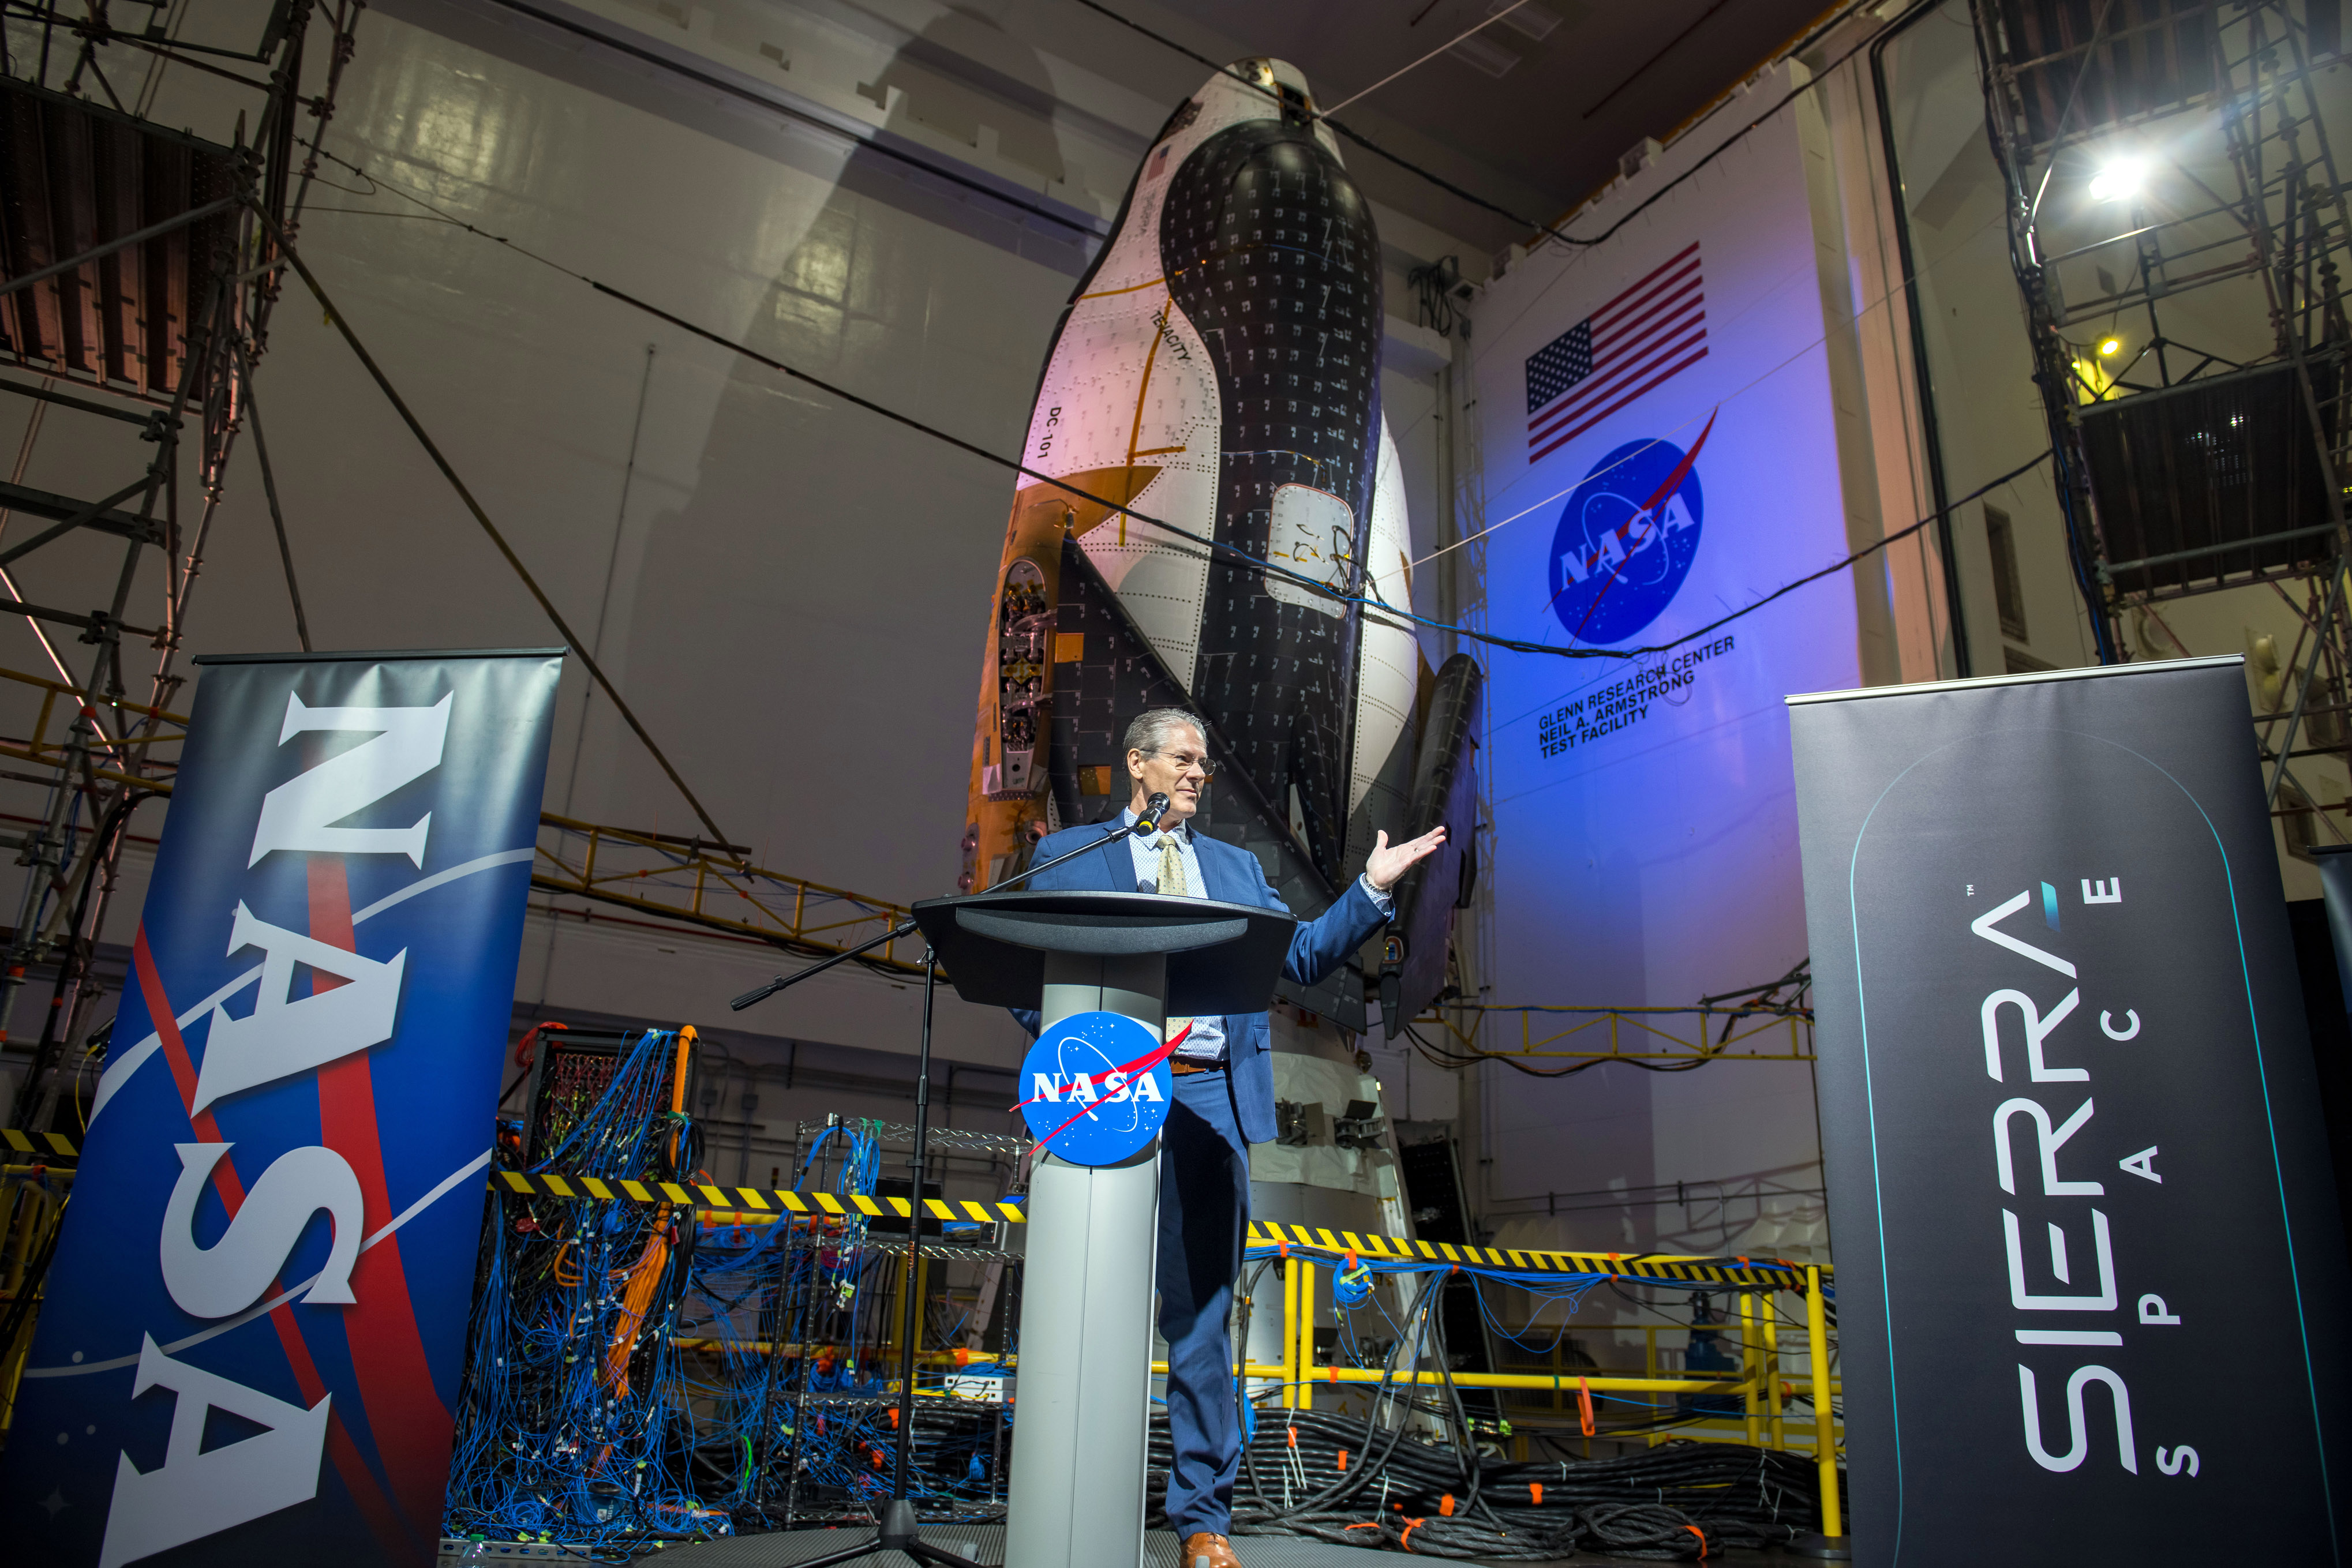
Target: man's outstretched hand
[1389,862]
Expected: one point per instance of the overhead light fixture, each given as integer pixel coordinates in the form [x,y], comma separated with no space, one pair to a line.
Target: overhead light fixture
[1526,18]
[2117,179]
[1483,52]
[2110,347]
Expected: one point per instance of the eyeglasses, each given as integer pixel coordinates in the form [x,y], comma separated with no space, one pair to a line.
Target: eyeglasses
[1185,761]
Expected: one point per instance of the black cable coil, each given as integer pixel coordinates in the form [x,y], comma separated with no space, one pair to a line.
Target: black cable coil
[1669,1503]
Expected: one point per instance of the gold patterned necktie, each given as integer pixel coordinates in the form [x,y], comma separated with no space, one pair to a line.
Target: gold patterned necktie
[1172,884]
[1171,867]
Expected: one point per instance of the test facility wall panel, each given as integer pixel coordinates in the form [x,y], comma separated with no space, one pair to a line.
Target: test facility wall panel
[1657,429]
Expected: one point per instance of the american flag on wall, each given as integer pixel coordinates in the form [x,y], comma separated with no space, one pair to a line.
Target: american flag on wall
[1647,335]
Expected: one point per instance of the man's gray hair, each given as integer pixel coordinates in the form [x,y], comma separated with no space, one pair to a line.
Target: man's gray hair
[1150,730]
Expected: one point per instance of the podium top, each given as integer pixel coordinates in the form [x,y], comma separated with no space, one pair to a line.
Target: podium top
[1222,957]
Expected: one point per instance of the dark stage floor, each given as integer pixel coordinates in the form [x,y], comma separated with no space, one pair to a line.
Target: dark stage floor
[986,1543]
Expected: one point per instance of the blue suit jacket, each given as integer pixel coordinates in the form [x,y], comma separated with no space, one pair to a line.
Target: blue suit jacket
[1234,876]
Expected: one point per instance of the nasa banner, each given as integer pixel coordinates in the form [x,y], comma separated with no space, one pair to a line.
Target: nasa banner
[250,1345]
[2089,1264]
[1660,449]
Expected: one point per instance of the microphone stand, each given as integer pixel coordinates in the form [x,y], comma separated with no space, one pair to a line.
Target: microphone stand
[1148,822]
[898,1530]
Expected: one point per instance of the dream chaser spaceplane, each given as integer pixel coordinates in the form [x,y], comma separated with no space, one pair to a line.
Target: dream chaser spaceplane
[1218,370]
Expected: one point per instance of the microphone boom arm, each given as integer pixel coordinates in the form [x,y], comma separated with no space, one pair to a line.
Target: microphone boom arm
[906,927]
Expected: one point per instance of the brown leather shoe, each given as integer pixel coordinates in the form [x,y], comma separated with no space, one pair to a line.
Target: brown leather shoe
[1202,1550]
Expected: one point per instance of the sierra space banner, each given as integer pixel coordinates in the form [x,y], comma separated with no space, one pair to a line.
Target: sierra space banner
[1658,450]
[255,1322]
[2076,1157]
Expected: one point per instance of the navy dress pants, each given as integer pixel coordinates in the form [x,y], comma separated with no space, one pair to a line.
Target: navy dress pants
[1204,1221]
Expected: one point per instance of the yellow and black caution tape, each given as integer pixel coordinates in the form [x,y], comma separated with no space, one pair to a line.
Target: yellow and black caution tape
[755,1203]
[764,1205]
[51,1146]
[761,1206]
[1772,1273]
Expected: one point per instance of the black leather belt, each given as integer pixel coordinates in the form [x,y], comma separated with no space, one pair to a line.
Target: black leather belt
[1179,1065]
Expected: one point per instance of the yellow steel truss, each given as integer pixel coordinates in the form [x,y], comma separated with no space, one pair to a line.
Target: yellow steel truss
[712,886]
[114,742]
[1635,1034]
[688,880]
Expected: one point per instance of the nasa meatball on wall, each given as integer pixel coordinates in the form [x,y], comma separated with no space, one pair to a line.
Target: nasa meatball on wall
[1653,864]
[1658,413]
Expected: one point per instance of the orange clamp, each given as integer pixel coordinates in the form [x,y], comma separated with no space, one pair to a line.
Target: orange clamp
[1535,1493]
[1343,1459]
[1445,1505]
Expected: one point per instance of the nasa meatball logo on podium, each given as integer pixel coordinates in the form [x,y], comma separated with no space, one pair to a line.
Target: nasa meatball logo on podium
[1097,1087]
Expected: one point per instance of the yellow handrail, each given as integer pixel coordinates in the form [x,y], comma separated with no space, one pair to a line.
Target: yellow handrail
[1761,1420]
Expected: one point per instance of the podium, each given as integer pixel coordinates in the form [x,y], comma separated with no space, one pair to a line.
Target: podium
[1084,1384]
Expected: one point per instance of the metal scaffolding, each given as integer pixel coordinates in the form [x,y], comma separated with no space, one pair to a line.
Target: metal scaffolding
[2191,466]
[142,266]
[139,267]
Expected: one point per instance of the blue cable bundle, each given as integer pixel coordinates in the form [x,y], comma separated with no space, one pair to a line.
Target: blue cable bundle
[575,1408]
[622,1386]
[839,1417]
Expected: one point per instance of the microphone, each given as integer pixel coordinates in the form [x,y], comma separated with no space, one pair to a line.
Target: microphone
[1153,811]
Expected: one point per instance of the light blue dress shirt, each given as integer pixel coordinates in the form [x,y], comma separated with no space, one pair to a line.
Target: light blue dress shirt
[1206,1043]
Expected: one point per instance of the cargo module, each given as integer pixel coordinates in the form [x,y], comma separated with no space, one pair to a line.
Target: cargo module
[1218,371]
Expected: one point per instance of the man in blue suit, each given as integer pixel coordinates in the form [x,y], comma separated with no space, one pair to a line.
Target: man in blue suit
[1223,1096]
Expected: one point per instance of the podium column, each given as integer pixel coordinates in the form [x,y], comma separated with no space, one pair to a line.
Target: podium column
[1083,1388]
[1075,1494]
